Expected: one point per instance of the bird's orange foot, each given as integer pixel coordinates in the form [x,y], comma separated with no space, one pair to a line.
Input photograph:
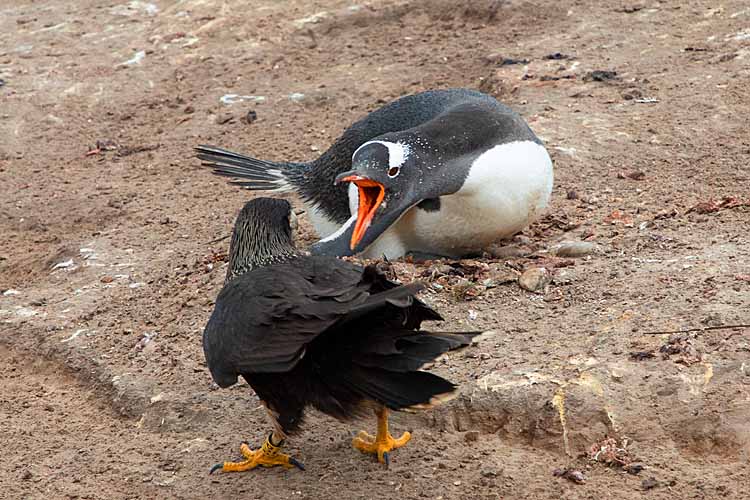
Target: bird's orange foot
[269,455]
[380,445]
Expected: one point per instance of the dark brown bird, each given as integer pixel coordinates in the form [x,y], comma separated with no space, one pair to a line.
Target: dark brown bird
[318,331]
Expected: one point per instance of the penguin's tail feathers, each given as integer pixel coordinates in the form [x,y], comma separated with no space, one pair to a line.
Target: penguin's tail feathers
[252,173]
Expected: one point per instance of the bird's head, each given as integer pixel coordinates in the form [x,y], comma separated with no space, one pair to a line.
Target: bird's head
[263,234]
[389,176]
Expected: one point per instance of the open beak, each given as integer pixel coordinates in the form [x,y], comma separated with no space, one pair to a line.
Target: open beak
[371,194]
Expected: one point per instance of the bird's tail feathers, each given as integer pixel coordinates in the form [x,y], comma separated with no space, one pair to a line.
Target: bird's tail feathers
[401,391]
[255,174]
[387,368]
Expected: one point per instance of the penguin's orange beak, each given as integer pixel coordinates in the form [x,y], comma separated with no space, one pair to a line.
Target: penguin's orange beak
[371,194]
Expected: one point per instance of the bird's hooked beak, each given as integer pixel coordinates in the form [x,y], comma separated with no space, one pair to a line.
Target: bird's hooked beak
[371,194]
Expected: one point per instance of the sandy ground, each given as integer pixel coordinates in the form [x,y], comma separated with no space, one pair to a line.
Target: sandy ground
[107,273]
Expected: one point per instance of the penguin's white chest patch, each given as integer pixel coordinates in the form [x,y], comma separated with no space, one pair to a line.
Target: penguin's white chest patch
[321,223]
[507,188]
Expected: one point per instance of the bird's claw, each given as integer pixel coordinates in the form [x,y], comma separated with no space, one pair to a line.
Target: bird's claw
[381,445]
[267,456]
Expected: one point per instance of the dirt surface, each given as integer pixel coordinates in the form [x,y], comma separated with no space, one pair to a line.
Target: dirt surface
[108,270]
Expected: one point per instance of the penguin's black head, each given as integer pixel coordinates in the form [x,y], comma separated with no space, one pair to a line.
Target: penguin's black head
[389,179]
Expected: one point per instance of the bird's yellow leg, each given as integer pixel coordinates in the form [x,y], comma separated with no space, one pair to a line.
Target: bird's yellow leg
[383,443]
[269,455]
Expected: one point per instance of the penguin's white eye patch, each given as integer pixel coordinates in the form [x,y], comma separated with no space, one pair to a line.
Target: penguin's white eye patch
[393,171]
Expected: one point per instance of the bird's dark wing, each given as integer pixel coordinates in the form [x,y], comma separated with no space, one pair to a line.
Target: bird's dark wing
[264,320]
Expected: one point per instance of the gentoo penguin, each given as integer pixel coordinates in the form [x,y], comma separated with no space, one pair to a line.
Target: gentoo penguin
[439,173]
[317,331]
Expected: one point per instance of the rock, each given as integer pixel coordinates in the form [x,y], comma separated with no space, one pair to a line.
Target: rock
[534,279]
[650,483]
[637,175]
[713,319]
[224,118]
[466,290]
[575,476]
[600,76]
[499,59]
[251,116]
[471,436]
[631,94]
[522,239]
[507,252]
[634,468]
[641,355]
[495,57]
[573,249]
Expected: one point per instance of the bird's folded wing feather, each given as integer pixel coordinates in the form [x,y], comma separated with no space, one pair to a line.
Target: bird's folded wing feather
[264,320]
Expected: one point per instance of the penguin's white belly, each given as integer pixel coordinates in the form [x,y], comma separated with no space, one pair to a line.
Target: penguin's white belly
[322,224]
[507,188]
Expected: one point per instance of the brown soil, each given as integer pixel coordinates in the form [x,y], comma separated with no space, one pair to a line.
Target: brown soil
[107,273]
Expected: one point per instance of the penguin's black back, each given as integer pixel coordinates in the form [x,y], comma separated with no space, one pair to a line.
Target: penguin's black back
[404,113]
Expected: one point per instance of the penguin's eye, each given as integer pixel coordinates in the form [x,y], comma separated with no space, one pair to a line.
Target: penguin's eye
[393,171]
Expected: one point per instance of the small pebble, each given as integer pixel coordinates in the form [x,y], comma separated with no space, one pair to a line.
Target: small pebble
[634,468]
[600,75]
[573,475]
[572,249]
[224,118]
[636,176]
[576,476]
[649,483]
[507,252]
[534,279]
